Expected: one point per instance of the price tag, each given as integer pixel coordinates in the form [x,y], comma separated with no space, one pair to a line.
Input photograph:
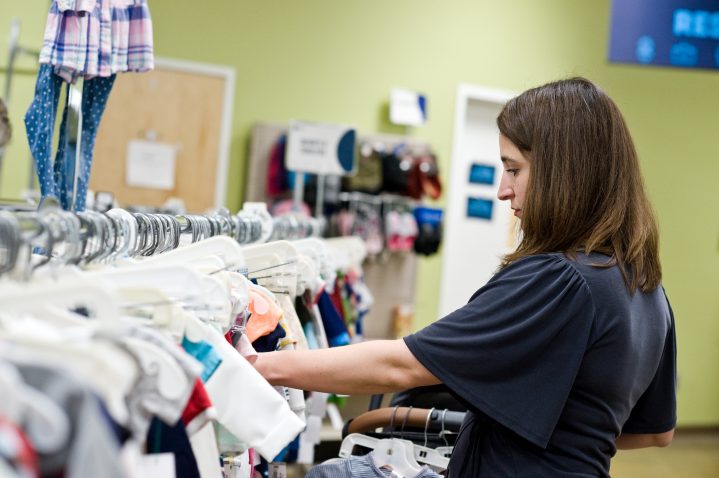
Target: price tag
[278,470]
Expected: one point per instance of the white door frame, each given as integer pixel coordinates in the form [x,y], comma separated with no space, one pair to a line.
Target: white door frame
[456,223]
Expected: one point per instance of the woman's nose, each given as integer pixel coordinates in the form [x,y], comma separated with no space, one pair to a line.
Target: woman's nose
[505,193]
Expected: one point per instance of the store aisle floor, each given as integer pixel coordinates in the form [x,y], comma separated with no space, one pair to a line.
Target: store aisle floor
[692,454]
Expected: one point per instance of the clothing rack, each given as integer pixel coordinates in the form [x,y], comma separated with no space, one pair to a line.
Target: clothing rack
[14,51]
[90,236]
[437,428]
[405,417]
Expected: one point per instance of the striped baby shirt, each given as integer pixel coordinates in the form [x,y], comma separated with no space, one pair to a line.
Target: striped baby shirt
[91,38]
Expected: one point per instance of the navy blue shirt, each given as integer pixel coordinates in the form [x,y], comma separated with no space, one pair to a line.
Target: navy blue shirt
[555,358]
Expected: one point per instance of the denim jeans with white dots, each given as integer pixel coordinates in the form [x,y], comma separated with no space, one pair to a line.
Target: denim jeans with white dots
[57,179]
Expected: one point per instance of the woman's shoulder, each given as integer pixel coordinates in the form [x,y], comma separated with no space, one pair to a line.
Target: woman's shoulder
[577,262]
[543,262]
[544,272]
[553,270]
[598,273]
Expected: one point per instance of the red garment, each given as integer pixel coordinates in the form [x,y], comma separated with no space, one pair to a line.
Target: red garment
[336,297]
[17,450]
[199,409]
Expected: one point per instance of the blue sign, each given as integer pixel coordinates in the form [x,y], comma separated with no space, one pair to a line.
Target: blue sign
[665,32]
[479,208]
[481,174]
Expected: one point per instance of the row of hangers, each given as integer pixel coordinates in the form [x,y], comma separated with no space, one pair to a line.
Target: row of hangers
[403,456]
[92,237]
[186,275]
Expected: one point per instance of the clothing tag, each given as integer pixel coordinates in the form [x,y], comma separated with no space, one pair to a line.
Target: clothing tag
[157,465]
[312,430]
[335,418]
[317,404]
[278,470]
[306,452]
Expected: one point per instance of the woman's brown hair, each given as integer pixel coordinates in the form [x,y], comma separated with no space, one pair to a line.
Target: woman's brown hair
[585,189]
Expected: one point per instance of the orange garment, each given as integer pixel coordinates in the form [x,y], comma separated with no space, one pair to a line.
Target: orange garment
[265,316]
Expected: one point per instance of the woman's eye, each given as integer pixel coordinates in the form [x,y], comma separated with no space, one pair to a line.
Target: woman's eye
[513,172]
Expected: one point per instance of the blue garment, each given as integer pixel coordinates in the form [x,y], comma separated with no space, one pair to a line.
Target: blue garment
[206,354]
[268,343]
[332,320]
[309,330]
[162,438]
[58,179]
[359,467]
[40,123]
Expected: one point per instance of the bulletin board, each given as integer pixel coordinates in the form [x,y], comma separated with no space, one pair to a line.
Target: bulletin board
[184,105]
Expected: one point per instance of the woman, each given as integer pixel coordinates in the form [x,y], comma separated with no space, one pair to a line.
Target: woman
[568,352]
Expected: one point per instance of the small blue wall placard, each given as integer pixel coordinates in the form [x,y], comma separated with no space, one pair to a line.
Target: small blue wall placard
[665,32]
[481,174]
[479,208]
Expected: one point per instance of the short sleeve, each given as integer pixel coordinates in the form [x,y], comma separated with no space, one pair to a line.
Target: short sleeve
[656,409]
[513,352]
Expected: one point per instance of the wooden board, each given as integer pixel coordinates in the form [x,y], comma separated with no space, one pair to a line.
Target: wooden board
[180,108]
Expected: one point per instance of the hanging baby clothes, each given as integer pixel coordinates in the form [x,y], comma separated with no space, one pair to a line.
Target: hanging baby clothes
[92,39]
[40,122]
[360,467]
[95,94]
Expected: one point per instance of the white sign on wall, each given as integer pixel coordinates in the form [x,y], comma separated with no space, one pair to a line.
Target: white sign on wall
[407,108]
[150,165]
[321,148]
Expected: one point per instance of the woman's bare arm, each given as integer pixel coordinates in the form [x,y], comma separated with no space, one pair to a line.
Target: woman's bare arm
[378,366]
[631,441]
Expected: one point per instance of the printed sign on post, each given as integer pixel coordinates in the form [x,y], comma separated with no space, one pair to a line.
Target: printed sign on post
[321,148]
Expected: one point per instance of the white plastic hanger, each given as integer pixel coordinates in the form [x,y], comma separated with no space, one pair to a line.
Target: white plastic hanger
[110,371]
[396,453]
[274,264]
[430,456]
[316,249]
[352,250]
[45,423]
[240,290]
[172,382]
[223,247]
[36,297]
[205,293]
[308,276]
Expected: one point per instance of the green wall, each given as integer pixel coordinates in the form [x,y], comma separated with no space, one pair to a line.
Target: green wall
[336,61]
[16,162]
